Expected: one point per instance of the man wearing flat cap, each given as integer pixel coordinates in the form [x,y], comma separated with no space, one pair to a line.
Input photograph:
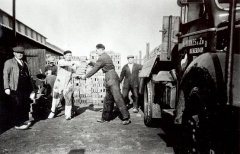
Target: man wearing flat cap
[18,84]
[112,85]
[63,85]
[130,73]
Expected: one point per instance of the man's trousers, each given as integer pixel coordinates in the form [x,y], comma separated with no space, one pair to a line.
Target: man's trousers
[113,94]
[134,91]
[20,106]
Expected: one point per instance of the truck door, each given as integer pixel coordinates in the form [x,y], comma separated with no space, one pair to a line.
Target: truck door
[193,30]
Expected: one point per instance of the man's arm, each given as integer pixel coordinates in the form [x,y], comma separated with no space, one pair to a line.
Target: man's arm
[62,63]
[46,69]
[122,74]
[140,66]
[69,66]
[6,74]
[33,85]
[91,63]
[98,65]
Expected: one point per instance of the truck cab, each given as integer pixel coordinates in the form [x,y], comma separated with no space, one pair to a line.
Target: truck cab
[194,77]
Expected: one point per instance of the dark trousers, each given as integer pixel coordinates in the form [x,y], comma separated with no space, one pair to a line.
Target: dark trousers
[113,94]
[20,106]
[134,91]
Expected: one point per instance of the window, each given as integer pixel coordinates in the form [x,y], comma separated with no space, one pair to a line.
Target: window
[18,26]
[26,31]
[31,31]
[191,12]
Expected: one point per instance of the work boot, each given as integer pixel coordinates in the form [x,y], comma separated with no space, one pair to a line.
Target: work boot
[23,126]
[68,112]
[55,102]
[129,106]
[68,118]
[51,115]
[135,110]
[102,120]
[126,122]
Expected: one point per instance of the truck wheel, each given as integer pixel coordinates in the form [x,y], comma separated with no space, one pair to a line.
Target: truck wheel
[196,124]
[148,100]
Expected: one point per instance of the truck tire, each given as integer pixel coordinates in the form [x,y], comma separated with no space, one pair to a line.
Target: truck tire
[196,122]
[148,100]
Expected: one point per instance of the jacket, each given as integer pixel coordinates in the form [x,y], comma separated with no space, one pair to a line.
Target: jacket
[104,62]
[11,74]
[130,79]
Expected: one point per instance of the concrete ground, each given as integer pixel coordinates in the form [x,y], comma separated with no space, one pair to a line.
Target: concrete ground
[83,134]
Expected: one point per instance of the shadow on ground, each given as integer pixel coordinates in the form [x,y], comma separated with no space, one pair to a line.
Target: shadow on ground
[77,151]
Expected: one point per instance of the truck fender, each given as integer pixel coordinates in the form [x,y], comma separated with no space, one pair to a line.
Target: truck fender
[162,76]
[208,71]
[215,64]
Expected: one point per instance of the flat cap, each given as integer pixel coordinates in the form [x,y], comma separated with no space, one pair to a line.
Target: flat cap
[66,52]
[130,56]
[98,46]
[18,49]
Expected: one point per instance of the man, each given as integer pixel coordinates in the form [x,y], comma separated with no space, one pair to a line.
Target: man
[63,85]
[44,95]
[51,68]
[47,84]
[112,85]
[18,84]
[130,73]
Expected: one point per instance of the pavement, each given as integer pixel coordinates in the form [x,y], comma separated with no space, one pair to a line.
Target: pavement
[84,135]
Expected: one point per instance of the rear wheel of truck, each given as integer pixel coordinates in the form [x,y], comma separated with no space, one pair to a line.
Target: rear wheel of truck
[148,100]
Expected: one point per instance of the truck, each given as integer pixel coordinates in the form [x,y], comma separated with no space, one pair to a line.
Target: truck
[192,79]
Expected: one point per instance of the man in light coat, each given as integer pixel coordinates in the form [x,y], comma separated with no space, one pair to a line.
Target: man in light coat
[63,85]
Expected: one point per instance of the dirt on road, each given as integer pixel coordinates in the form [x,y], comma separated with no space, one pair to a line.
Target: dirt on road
[84,135]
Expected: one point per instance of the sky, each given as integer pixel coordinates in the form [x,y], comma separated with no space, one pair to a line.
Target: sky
[123,26]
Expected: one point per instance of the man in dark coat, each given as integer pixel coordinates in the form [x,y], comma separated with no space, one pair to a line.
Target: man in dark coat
[18,84]
[112,85]
[130,73]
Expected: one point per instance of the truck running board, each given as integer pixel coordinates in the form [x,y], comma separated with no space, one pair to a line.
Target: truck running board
[168,111]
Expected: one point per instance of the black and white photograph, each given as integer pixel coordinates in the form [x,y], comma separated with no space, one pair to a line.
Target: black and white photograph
[120,77]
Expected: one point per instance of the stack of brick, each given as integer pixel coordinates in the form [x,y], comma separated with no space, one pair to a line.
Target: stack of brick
[79,85]
[97,88]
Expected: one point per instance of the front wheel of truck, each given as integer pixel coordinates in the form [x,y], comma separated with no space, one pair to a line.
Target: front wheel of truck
[196,123]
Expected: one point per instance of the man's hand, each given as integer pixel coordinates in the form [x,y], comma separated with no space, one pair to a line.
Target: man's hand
[7,91]
[83,77]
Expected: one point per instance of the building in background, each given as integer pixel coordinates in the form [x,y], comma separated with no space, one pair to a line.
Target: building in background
[35,43]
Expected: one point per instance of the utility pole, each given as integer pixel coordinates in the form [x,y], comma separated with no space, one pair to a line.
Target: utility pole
[140,57]
[14,23]
[147,50]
